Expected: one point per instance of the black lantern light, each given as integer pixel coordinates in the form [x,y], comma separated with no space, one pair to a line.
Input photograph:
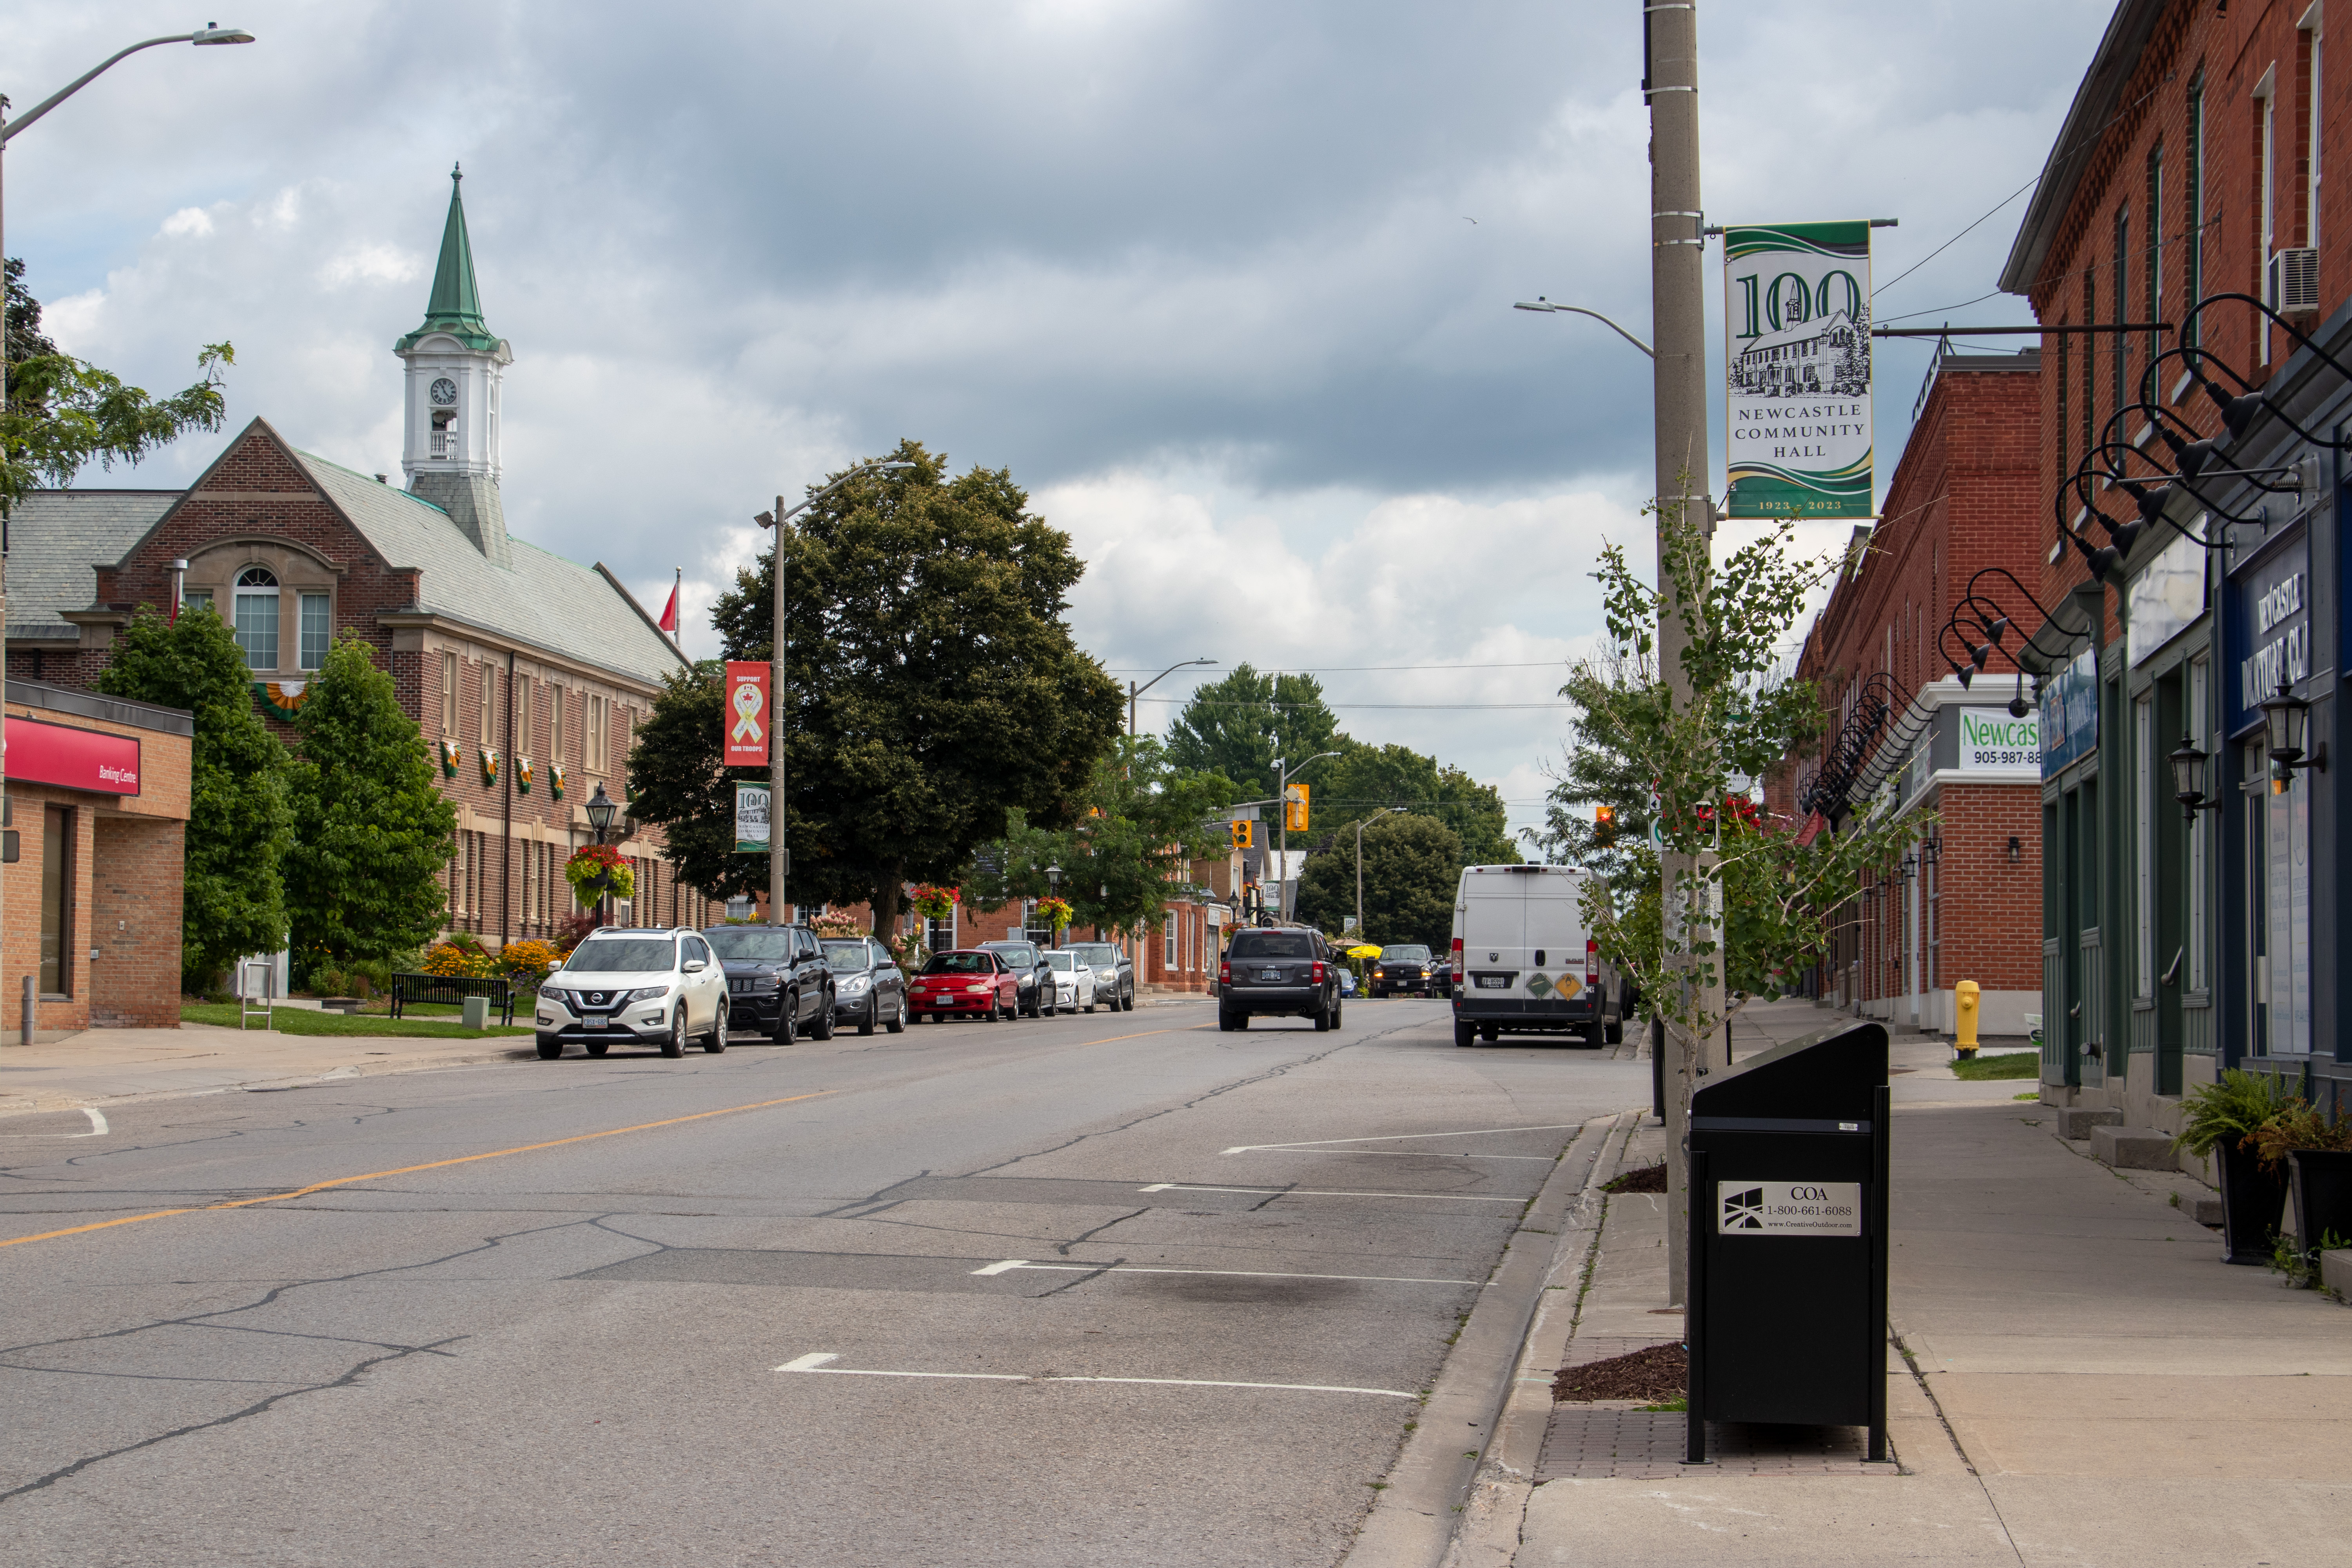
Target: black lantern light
[2188,779]
[2286,724]
[601,810]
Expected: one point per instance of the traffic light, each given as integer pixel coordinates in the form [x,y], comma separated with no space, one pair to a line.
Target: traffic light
[1604,825]
[1243,837]
[1294,809]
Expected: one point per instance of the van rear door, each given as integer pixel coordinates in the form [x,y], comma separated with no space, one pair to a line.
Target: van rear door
[1553,922]
[1493,929]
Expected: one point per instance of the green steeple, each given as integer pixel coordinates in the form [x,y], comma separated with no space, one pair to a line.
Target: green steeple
[455,305]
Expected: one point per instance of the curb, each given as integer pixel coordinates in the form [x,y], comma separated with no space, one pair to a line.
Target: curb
[1429,1489]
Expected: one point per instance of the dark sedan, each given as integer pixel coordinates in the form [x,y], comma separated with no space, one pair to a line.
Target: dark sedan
[1027,960]
[867,988]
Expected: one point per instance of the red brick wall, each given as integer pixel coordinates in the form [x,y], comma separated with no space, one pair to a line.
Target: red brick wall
[134,922]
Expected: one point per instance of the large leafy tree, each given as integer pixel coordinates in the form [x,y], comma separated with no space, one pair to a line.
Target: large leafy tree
[232,903]
[1239,725]
[1367,780]
[370,831]
[676,779]
[931,687]
[63,413]
[1413,869]
[1146,823]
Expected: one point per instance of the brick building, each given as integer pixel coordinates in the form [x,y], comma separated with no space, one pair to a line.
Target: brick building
[98,800]
[1962,502]
[525,672]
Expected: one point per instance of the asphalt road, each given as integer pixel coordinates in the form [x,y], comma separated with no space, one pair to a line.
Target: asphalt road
[650,1344]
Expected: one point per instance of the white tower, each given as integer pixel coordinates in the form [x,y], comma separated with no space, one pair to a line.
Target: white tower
[450,454]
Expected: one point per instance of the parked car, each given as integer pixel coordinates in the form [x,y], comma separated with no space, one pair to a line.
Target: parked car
[970,981]
[776,980]
[1525,962]
[1346,982]
[1027,960]
[1403,966]
[1281,969]
[1074,983]
[664,986]
[867,987]
[1114,973]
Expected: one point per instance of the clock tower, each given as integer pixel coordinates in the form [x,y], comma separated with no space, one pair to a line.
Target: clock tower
[450,453]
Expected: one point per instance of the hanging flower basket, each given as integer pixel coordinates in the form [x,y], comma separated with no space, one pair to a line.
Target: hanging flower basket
[522,775]
[489,760]
[597,869]
[450,752]
[1055,912]
[934,903]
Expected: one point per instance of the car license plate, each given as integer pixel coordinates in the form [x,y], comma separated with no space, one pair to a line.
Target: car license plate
[593,1021]
[1494,983]
[1269,975]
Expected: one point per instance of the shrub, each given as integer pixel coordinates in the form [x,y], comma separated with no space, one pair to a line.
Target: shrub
[2231,1110]
[459,958]
[527,962]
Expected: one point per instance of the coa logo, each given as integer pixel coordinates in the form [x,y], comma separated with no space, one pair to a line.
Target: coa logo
[1743,1211]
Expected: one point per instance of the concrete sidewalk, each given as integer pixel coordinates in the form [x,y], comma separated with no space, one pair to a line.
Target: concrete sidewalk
[100,1067]
[2075,1379]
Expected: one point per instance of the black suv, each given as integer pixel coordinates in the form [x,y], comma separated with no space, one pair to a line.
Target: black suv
[776,980]
[1039,999]
[1284,969]
[1403,967]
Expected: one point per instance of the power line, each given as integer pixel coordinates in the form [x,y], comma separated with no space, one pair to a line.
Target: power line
[1358,669]
[1310,706]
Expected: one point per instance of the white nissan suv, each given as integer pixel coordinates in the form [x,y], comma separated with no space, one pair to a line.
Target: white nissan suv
[633,985]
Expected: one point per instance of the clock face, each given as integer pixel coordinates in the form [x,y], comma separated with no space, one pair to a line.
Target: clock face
[444,392]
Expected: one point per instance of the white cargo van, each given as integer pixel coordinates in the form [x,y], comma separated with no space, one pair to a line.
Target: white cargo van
[1523,962]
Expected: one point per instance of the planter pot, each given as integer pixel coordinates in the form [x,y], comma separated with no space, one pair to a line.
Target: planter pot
[2323,1195]
[2251,1200]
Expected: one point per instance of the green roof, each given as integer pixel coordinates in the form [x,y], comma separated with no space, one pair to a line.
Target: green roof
[455,305]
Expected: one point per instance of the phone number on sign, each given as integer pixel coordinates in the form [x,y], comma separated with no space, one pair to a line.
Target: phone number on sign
[2010,758]
[1811,1211]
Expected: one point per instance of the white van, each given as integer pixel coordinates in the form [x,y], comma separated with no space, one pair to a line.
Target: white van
[1523,962]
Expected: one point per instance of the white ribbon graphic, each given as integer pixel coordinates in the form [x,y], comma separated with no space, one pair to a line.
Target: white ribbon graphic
[747,704]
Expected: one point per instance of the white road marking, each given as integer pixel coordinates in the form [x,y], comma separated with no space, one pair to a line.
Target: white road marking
[97,1127]
[815,1364]
[1001,1268]
[1229,1273]
[1319,1192]
[1382,1153]
[1398,1137]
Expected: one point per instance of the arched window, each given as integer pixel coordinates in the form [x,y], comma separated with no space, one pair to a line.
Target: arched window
[256,617]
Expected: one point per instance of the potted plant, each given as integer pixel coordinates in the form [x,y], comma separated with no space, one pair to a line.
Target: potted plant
[2315,1155]
[2221,1121]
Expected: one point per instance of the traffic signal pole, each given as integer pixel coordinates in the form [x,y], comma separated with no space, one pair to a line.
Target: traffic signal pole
[1678,325]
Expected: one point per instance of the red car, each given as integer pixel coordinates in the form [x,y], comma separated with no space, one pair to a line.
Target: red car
[969,980]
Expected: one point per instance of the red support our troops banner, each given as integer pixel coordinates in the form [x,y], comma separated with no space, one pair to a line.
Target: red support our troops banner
[747,714]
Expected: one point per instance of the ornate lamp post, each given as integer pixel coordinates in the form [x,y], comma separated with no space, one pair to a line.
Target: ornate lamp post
[601,811]
[1053,889]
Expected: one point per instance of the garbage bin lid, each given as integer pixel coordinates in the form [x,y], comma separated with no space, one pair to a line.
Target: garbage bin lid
[1829,1076]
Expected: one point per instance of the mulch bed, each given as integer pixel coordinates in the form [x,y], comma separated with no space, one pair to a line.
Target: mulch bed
[1648,1179]
[1653,1376]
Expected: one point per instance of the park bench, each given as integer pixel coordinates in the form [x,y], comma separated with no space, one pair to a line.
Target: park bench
[451,991]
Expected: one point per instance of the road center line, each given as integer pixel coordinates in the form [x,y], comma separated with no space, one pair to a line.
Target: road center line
[1318,1193]
[409,1170]
[816,1363]
[1011,1263]
[1399,1137]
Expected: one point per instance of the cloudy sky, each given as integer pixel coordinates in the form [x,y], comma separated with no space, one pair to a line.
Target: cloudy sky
[1226,285]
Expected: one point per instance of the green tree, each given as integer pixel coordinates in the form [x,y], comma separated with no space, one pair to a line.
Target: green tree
[1367,779]
[1146,823]
[232,902]
[1413,869]
[676,779]
[932,687]
[1239,725]
[370,831]
[63,413]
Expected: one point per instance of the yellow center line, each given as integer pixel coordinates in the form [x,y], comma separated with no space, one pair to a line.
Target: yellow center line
[1172,1030]
[409,1170]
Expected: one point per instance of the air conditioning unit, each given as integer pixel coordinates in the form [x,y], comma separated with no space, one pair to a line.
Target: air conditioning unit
[2292,285]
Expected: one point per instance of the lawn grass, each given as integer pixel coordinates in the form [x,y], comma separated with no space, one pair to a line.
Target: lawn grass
[309,1021]
[2010,1064]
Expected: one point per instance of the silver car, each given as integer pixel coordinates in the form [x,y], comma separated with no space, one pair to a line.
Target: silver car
[1113,972]
[1074,983]
[626,983]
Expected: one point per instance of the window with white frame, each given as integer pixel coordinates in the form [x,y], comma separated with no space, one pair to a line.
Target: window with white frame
[2266,184]
[256,617]
[2315,97]
[317,631]
[1167,939]
[449,693]
[555,726]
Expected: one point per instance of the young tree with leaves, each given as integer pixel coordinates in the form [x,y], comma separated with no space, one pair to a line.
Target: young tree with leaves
[232,903]
[370,832]
[931,684]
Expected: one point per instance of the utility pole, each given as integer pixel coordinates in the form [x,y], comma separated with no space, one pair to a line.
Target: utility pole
[1282,798]
[1678,325]
[780,855]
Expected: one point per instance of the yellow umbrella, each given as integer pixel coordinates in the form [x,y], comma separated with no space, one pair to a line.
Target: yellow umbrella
[1366,950]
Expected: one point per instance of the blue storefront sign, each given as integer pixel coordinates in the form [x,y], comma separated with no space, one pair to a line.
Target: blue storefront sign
[2070,714]
[2271,628]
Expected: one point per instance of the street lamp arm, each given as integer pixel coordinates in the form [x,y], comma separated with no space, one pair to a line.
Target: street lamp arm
[1543,304]
[209,34]
[1183,664]
[768,519]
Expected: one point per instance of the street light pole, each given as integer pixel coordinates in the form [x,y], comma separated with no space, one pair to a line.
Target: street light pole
[1282,798]
[1134,691]
[780,856]
[1360,864]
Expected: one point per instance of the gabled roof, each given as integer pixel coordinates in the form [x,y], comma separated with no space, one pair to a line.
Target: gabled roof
[542,599]
[57,538]
[2078,140]
[455,306]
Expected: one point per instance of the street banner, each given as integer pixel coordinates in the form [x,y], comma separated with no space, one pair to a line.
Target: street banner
[1797,365]
[750,817]
[747,714]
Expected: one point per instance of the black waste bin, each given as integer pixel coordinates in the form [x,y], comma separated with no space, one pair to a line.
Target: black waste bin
[1787,1319]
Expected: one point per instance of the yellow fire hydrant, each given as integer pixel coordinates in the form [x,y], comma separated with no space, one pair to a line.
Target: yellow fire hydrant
[1964,1030]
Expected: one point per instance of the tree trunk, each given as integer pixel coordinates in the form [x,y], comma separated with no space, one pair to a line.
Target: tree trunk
[888,902]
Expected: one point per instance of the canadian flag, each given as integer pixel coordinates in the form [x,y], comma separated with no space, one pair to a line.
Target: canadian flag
[669,613]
